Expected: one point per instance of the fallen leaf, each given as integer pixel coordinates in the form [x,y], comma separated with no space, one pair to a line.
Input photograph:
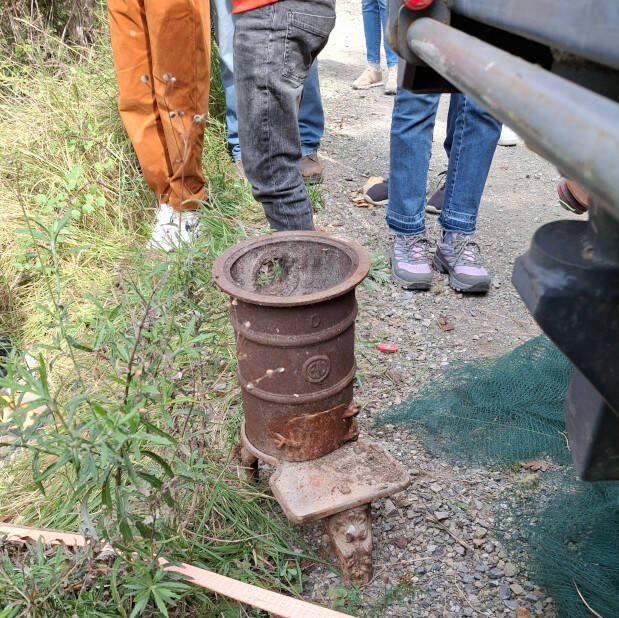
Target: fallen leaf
[361,203]
[536,465]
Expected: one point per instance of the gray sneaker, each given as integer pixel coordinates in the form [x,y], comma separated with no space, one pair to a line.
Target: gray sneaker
[409,264]
[458,255]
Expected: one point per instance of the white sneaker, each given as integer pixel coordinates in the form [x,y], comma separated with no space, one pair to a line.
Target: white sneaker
[508,137]
[368,79]
[391,85]
[173,227]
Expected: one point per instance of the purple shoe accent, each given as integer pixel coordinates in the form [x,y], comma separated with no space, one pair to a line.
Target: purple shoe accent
[409,264]
[458,255]
[414,268]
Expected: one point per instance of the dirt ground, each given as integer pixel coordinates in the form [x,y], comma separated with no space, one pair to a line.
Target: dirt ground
[520,195]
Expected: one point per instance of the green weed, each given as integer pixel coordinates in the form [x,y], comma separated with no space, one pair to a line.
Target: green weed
[136,410]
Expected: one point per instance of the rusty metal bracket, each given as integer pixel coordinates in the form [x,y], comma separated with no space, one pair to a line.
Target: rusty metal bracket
[305,436]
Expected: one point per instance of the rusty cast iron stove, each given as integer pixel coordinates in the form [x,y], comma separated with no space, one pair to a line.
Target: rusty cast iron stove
[293,310]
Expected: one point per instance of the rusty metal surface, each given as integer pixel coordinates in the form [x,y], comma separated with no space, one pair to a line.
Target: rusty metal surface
[582,27]
[294,331]
[355,474]
[337,273]
[351,535]
[314,434]
[569,125]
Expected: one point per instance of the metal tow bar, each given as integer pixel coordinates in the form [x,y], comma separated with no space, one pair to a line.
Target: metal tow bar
[550,70]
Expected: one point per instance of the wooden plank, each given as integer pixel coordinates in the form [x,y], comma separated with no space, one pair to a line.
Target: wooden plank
[273,602]
[47,535]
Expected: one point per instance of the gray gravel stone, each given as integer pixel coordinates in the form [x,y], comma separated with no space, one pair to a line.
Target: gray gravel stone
[510,570]
[516,588]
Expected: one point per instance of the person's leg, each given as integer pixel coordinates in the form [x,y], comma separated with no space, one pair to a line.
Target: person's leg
[136,100]
[274,47]
[390,55]
[223,23]
[471,142]
[412,126]
[180,42]
[311,114]
[372,76]
[471,149]
[311,127]
[372,28]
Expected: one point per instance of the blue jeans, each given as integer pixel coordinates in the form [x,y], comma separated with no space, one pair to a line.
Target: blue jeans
[472,136]
[374,23]
[311,114]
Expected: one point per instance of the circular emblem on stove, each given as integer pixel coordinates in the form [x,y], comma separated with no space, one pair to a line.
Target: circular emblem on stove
[316,369]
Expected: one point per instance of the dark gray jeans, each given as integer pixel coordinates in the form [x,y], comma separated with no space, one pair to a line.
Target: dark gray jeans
[274,47]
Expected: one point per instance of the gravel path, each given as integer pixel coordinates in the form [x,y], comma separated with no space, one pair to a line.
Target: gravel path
[449,579]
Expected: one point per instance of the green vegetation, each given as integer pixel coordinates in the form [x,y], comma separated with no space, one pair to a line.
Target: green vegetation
[134,363]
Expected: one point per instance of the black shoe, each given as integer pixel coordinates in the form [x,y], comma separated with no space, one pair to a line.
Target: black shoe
[377,194]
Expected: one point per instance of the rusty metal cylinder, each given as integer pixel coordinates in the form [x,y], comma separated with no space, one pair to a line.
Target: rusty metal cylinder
[293,311]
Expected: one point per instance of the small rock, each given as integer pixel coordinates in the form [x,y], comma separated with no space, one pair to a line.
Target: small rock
[495,573]
[389,507]
[531,597]
[467,611]
[435,487]
[417,316]
[479,532]
[440,515]
[516,588]
[510,570]
[511,604]
[468,579]
[431,549]
[401,542]
[504,592]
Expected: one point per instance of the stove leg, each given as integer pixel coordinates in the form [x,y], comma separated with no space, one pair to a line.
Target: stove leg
[250,464]
[351,535]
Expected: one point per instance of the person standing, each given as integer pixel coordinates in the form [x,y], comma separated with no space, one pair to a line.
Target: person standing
[311,114]
[162,61]
[275,45]
[472,136]
[374,24]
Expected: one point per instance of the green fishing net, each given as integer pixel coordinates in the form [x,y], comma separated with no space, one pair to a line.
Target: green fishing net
[563,531]
[506,410]
[565,534]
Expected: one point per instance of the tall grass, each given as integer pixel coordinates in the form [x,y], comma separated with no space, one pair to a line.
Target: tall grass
[136,408]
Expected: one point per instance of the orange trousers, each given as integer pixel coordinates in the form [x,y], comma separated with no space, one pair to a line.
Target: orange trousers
[162,54]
